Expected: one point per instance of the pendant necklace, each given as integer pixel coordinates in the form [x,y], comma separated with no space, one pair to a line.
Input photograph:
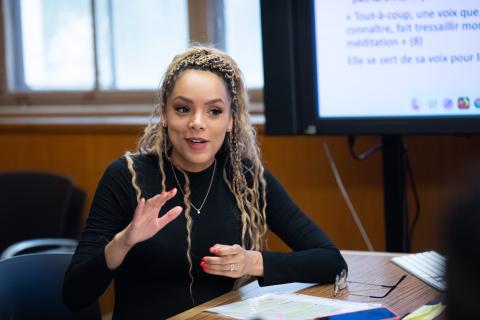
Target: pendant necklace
[199,209]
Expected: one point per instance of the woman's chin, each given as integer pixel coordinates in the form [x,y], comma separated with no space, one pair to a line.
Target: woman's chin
[198,163]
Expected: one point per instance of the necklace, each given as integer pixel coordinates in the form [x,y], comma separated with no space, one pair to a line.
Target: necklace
[208,191]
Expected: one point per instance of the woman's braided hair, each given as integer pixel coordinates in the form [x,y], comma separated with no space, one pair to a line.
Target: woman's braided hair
[240,144]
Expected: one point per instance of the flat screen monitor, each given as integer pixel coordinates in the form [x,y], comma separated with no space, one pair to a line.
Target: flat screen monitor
[371,66]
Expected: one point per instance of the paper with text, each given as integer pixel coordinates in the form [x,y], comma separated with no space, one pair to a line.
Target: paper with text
[288,306]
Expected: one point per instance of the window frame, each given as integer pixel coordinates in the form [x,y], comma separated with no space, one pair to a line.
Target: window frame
[200,12]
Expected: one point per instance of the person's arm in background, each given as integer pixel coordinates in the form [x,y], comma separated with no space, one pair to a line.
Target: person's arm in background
[110,233]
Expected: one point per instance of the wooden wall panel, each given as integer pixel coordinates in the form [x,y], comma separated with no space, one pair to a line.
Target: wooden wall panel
[81,156]
[299,163]
[440,165]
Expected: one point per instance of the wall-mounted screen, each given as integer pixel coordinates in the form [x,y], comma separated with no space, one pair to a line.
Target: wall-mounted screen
[375,66]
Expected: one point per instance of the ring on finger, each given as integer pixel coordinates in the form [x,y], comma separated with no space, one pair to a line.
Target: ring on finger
[232,267]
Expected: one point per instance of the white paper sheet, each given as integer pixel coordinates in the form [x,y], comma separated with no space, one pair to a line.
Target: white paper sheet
[289,306]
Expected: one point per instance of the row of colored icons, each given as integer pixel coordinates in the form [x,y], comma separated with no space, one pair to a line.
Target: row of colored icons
[447,103]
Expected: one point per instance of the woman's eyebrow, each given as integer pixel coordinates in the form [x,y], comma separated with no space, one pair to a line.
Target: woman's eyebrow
[183,98]
[213,101]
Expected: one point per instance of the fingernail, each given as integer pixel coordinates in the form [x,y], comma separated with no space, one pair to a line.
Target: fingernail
[202,264]
[204,259]
[173,190]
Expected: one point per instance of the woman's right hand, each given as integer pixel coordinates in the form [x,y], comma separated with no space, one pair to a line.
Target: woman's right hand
[144,225]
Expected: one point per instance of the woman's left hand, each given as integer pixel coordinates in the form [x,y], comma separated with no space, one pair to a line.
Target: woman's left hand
[233,261]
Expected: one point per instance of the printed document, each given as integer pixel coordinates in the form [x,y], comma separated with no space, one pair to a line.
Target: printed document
[290,306]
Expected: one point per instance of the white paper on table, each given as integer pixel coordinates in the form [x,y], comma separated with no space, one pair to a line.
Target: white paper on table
[289,306]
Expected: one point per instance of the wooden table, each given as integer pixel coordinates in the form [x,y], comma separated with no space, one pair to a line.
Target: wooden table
[365,267]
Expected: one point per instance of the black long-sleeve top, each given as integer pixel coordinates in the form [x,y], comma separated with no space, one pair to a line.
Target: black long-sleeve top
[153,280]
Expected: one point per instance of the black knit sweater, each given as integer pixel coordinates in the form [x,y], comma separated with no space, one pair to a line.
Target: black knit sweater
[153,280]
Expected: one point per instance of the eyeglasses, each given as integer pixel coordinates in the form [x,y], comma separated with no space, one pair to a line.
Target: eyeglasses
[341,283]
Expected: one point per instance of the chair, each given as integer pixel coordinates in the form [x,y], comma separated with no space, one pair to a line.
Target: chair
[40,245]
[72,223]
[31,288]
[38,205]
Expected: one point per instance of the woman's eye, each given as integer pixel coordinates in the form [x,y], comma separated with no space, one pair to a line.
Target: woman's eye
[182,109]
[215,112]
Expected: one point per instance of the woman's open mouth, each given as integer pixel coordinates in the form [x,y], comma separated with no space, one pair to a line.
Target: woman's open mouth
[197,143]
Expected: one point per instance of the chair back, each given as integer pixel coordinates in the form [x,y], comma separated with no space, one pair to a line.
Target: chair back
[32,205]
[73,218]
[31,288]
[40,245]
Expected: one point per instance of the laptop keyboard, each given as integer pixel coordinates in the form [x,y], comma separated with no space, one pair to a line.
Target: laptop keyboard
[427,266]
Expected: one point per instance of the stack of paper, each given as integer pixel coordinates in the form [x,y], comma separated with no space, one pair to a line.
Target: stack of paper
[288,306]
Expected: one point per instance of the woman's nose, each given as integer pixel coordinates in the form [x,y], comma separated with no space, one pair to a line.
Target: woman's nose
[197,122]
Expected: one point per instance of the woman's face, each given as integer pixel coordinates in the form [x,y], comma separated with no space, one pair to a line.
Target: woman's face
[197,116]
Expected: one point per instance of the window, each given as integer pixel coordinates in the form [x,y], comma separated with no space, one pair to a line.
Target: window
[243,39]
[97,51]
[137,39]
[55,44]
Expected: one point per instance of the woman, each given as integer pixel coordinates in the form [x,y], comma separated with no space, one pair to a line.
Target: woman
[202,230]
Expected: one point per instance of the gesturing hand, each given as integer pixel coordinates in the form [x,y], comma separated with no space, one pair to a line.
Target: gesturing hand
[233,261]
[146,223]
